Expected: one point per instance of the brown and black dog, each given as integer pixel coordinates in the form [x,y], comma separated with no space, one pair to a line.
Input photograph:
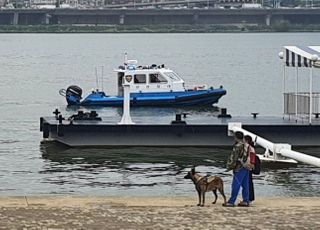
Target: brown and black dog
[206,184]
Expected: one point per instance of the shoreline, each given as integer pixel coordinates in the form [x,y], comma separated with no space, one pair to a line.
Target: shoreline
[71,212]
[146,201]
[195,28]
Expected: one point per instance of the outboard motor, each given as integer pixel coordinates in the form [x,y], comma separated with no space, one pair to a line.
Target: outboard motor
[72,94]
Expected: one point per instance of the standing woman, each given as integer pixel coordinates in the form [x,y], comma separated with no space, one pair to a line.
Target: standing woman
[249,145]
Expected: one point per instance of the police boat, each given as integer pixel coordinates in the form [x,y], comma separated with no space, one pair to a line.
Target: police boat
[153,85]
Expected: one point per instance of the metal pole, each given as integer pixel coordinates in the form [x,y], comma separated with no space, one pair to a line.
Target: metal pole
[310,95]
[259,140]
[126,118]
[125,59]
[300,157]
[97,80]
[284,87]
[296,97]
[102,72]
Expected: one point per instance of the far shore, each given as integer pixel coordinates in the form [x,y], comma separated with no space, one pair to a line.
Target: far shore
[182,28]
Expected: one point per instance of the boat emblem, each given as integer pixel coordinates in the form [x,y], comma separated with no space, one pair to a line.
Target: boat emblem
[128,78]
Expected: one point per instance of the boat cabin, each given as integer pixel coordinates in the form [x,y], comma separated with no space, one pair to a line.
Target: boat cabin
[149,79]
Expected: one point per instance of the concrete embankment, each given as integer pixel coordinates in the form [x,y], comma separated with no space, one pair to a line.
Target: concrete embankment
[158,21]
[64,212]
[158,16]
[210,28]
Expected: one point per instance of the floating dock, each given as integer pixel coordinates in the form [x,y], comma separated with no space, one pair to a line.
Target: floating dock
[194,131]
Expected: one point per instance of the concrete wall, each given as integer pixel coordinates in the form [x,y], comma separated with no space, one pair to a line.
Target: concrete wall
[157,16]
[6,18]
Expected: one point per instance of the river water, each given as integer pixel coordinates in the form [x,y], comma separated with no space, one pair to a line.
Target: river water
[35,66]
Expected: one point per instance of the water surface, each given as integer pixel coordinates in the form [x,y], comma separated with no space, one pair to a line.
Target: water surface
[35,66]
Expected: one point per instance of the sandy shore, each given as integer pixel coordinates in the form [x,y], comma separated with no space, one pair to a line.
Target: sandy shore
[69,212]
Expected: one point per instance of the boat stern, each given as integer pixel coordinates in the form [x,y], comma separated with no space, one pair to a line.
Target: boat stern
[72,94]
[73,100]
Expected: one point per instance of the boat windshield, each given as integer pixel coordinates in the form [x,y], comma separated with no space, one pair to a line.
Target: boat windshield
[173,76]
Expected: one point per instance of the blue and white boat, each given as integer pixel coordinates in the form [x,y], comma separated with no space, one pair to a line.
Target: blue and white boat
[150,86]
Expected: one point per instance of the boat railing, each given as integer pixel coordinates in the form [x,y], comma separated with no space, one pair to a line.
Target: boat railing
[299,103]
[197,87]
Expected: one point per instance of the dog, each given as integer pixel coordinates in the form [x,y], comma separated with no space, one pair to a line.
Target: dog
[206,184]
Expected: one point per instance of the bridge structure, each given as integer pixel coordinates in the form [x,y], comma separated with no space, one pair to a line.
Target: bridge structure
[164,3]
[157,16]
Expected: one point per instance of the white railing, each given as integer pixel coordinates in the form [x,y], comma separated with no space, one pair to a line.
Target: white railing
[301,101]
[278,150]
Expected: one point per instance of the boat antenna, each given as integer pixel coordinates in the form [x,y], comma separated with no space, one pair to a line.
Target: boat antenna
[102,72]
[125,59]
[97,79]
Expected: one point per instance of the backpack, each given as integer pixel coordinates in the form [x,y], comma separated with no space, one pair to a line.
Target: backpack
[257,166]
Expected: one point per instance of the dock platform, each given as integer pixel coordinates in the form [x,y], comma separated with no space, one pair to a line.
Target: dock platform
[194,130]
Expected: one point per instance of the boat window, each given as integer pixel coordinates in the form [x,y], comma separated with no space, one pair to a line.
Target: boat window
[140,79]
[157,78]
[173,76]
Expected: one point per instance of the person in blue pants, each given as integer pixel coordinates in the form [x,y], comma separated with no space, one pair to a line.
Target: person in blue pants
[240,179]
[240,173]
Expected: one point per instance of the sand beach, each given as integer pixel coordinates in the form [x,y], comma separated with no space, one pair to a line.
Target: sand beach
[73,212]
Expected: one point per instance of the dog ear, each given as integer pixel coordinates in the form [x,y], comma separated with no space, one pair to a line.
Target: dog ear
[193,170]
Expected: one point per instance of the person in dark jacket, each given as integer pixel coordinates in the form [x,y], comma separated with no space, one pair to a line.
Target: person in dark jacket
[240,173]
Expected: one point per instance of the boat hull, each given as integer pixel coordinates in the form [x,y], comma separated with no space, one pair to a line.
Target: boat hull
[185,98]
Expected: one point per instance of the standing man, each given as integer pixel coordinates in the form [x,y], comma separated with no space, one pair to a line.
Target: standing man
[240,173]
